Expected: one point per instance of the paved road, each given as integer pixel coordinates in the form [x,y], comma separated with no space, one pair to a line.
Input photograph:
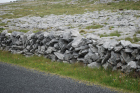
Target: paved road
[14,79]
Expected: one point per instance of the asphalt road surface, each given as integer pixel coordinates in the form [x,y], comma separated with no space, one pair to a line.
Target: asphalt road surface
[15,79]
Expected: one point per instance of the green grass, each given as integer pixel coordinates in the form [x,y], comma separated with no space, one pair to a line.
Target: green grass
[41,8]
[129,39]
[116,33]
[111,27]
[133,39]
[2,24]
[82,31]
[1,29]
[94,27]
[76,71]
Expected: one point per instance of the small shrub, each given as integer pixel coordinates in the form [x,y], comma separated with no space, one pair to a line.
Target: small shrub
[1,29]
[136,39]
[116,33]
[82,31]
[110,28]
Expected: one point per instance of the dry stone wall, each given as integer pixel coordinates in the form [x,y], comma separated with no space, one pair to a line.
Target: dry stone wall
[71,47]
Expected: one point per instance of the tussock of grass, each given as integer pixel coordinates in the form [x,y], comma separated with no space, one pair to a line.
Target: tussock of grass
[1,29]
[75,71]
[116,33]
[129,39]
[2,24]
[83,31]
[94,27]
[134,39]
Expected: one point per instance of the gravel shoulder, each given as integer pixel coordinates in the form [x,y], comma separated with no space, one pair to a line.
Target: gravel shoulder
[15,79]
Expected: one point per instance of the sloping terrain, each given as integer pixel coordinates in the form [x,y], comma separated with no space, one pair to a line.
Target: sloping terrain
[115,20]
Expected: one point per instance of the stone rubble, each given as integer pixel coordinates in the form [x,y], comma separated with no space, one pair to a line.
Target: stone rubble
[69,48]
[126,22]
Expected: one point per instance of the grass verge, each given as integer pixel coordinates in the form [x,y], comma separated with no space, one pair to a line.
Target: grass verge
[76,71]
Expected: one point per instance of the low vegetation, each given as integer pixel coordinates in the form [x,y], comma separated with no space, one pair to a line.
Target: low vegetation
[76,71]
[47,7]
[82,32]
[116,33]
[1,29]
[94,27]
[134,39]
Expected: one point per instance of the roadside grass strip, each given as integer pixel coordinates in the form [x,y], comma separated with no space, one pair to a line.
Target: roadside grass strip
[114,79]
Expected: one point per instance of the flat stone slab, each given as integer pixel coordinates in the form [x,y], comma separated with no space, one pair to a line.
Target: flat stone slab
[59,55]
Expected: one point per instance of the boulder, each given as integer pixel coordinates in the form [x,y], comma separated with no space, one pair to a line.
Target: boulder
[107,56]
[128,50]
[75,33]
[94,65]
[67,56]
[125,58]
[53,57]
[52,42]
[134,46]
[50,50]
[90,57]
[81,48]
[107,66]
[101,50]
[83,52]
[114,59]
[77,41]
[67,35]
[132,64]
[93,48]
[125,43]
[119,65]
[118,48]
[135,53]
[75,54]
[62,44]
[110,44]
[59,55]
[56,46]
